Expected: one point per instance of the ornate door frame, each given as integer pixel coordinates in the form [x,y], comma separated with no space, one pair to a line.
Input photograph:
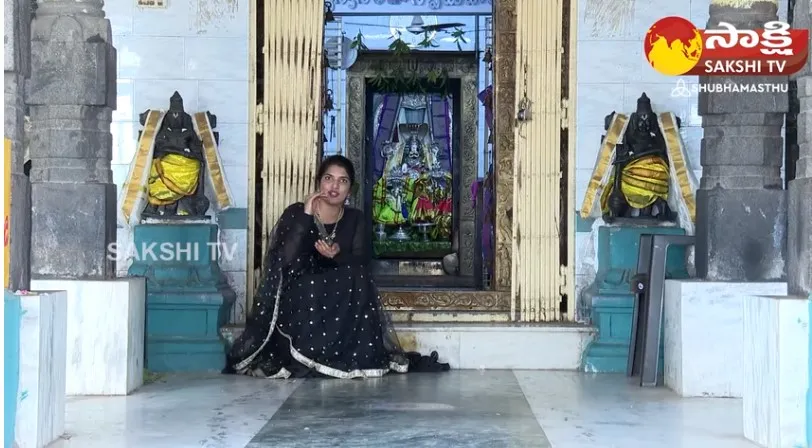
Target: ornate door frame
[499,304]
[462,67]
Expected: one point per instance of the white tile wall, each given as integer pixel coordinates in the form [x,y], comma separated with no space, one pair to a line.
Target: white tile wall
[200,49]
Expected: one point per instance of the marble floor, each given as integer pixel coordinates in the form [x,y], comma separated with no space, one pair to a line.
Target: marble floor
[453,409]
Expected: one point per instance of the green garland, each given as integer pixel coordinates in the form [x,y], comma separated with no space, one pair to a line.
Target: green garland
[396,80]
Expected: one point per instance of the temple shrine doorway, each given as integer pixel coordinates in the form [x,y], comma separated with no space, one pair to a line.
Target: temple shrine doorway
[417,147]
[426,107]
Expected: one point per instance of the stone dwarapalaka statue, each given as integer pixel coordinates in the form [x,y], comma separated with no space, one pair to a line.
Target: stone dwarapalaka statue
[642,170]
[176,154]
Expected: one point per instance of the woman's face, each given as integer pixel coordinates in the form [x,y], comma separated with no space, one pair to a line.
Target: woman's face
[335,185]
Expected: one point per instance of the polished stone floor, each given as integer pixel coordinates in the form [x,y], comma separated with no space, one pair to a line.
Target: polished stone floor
[454,409]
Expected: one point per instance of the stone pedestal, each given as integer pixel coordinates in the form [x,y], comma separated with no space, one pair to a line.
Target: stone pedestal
[776,370]
[703,335]
[105,331]
[43,331]
[612,302]
[188,297]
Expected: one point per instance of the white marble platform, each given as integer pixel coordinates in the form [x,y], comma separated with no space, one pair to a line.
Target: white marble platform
[500,346]
[490,346]
[41,408]
[776,370]
[703,335]
[105,334]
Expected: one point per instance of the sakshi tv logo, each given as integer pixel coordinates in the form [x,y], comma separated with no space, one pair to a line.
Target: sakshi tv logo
[675,47]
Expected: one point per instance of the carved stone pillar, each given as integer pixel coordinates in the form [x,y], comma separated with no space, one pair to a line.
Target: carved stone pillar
[72,94]
[17,67]
[799,235]
[504,75]
[741,206]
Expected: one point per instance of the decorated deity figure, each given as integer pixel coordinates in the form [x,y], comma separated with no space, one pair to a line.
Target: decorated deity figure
[176,182]
[175,156]
[642,170]
[413,188]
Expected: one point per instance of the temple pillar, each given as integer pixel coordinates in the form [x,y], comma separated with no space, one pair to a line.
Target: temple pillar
[799,213]
[741,206]
[741,225]
[71,95]
[17,67]
[504,80]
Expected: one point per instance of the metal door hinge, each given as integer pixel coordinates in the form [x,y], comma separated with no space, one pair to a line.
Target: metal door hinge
[563,280]
[565,113]
[259,118]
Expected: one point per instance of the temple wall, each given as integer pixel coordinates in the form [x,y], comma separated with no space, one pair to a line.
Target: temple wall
[200,49]
[612,74]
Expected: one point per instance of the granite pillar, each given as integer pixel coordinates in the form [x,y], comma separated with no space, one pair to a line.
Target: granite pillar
[16,68]
[799,218]
[71,95]
[741,206]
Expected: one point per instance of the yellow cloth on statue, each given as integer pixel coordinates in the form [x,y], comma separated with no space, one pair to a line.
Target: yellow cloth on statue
[171,178]
[642,182]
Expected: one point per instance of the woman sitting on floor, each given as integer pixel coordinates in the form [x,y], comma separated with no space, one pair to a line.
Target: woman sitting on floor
[317,310]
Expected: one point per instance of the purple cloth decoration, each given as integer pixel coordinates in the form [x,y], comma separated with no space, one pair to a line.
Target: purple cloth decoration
[486,98]
[441,128]
[389,117]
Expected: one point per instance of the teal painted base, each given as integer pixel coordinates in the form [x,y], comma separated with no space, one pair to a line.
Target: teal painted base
[609,299]
[188,297]
[11,368]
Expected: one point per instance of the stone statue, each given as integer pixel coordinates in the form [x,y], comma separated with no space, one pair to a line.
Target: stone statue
[176,181]
[641,169]
[176,158]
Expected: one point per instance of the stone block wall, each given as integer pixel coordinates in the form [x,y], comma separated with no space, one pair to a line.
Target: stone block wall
[200,49]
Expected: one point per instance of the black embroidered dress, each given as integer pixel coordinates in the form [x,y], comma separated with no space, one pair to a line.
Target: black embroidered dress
[315,314]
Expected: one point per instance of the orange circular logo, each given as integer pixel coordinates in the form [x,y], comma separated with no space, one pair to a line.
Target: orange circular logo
[673,46]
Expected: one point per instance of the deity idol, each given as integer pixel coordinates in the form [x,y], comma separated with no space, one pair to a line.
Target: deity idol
[642,170]
[413,188]
[175,184]
[176,154]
